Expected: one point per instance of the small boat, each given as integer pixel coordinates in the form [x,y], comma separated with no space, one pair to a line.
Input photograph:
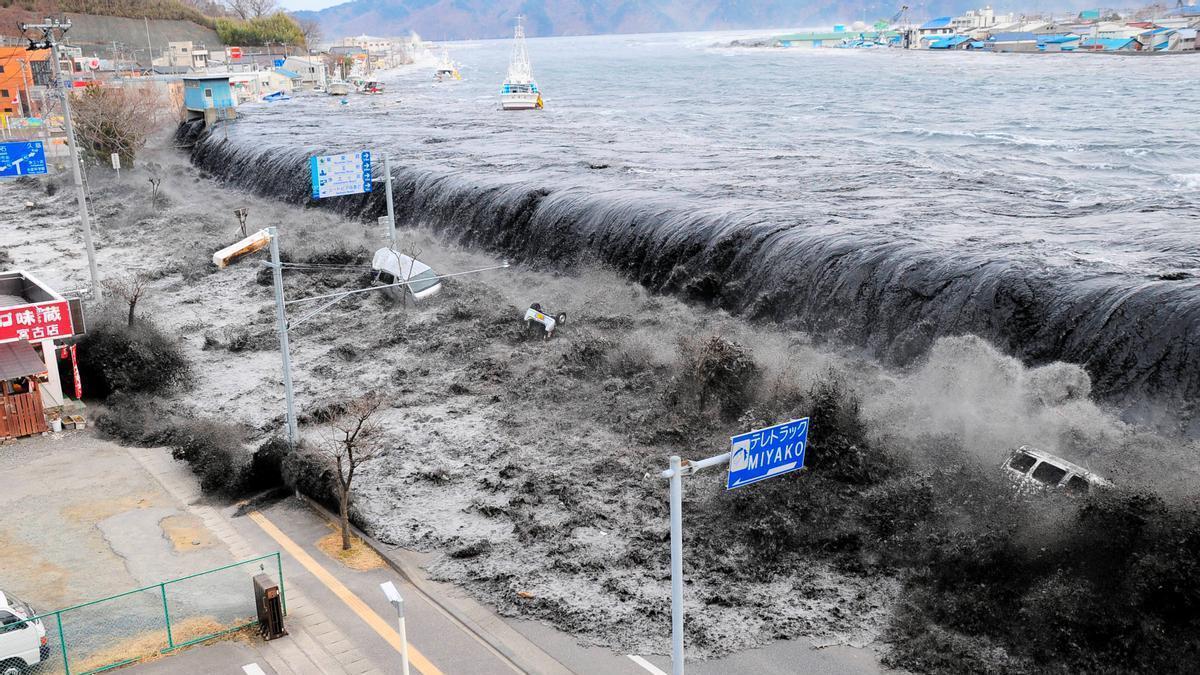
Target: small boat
[446,69]
[373,87]
[338,88]
[276,96]
[520,90]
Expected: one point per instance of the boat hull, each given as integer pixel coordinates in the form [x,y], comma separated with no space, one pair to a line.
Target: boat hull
[521,101]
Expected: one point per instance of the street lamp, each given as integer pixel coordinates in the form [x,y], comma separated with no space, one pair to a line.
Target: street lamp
[393,596]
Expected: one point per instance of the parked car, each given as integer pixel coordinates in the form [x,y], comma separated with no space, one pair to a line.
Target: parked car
[391,267]
[1031,467]
[535,314]
[23,642]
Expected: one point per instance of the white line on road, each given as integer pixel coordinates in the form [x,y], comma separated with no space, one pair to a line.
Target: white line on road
[252,669]
[650,667]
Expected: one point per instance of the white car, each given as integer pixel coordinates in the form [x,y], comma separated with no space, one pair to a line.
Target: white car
[391,267]
[1029,466]
[550,323]
[23,643]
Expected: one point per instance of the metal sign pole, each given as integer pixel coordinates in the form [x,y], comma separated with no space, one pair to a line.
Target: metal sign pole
[281,319]
[387,181]
[676,566]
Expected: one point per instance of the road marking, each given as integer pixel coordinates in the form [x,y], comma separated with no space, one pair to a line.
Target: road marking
[650,667]
[355,603]
[253,669]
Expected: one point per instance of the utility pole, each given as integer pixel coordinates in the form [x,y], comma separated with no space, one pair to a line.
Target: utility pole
[391,216]
[52,31]
[28,93]
[149,47]
[281,319]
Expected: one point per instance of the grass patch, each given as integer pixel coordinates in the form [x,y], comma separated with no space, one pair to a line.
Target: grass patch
[359,557]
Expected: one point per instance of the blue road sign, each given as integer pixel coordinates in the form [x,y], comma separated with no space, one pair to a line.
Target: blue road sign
[766,453]
[337,175]
[24,158]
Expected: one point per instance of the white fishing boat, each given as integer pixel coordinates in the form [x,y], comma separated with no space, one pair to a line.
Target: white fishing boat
[338,88]
[446,69]
[520,90]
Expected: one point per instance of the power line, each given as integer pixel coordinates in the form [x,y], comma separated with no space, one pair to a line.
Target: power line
[341,294]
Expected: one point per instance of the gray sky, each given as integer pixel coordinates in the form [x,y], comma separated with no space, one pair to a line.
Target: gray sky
[310,4]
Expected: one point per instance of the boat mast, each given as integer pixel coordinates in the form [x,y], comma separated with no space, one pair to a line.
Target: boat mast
[518,66]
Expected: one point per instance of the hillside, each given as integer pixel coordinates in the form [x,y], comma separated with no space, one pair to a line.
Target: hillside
[464,19]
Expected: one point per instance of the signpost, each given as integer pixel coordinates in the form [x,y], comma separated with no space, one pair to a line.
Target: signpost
[22,158]
[752,457]
[337,175]
[116,164]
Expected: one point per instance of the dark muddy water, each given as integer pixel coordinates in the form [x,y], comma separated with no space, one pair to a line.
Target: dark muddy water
[1050,203]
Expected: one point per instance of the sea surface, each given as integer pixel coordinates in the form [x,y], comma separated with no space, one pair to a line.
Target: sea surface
[1050,203]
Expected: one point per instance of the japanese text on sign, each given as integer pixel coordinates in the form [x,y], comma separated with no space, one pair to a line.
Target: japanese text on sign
[766,453]
[41,321]
[337,175]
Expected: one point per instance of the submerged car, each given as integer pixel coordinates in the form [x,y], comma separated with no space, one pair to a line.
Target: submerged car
[23,643]
[391,268]
[1029,466]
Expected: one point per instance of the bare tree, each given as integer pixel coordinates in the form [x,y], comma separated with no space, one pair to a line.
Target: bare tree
[311,31]
[357,438]
[129,288]
[116,120]
[154,169]
[251,9]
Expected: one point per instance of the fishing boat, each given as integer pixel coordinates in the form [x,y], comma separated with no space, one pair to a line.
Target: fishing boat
[520,91]
[446,69]
[338,88]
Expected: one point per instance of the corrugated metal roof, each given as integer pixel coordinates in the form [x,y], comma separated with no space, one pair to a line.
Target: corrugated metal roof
[949,42]
[1012,37]
[940,22]
[291,75]
[18,359]
[1058,39]
[1106,44]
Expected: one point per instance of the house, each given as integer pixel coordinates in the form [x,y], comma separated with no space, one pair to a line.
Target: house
[312,72]
[1013,42]
[253,85]
[17,78]
[209,97]
[371,45]
[32,318]
[183,55]
[952,42]
[943,25]
[1058,43]
[1106,45]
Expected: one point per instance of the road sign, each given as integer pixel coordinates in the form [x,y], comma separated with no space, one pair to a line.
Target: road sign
[24,158]
[116,161]
[336,175]
[766,453]
[235,52]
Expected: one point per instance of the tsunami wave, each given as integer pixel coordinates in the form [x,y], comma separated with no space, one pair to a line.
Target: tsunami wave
[1137,336]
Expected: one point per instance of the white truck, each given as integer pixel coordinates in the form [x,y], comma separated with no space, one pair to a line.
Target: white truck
[23,643]
[535,314]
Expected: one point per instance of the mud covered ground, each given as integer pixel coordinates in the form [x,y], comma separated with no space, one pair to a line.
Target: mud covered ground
[532,464]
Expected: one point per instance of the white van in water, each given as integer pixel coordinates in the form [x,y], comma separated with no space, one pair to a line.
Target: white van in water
[391,267]
[1030,466]
[23,643]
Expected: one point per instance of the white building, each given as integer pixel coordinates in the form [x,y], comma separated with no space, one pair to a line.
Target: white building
[372,45]
[183,55]
[977,19]
[312,72]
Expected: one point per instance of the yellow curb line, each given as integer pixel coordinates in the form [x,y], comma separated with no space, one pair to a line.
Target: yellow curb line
[364,612]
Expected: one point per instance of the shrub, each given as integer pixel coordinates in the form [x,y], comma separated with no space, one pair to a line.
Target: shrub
[115,357]
[216,454]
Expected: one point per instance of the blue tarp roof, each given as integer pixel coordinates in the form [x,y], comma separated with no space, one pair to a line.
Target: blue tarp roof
[1013,37]
[940,22]
[1107,44]
[289,74]
[949,42]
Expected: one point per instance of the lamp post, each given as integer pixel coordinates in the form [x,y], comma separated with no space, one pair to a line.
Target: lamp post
[393,596]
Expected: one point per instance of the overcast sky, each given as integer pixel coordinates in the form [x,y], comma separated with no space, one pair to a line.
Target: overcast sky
[310,4]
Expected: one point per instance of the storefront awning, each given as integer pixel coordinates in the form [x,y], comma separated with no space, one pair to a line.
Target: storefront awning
[18,359]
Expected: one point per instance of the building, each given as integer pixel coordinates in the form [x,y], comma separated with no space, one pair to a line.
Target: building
[372,45]
[253,85]
[32,318]
[1013,42]
[976,19]
[943,25]
[183,55]
[17,77]
[209,97]
[1106,45]
[311,71]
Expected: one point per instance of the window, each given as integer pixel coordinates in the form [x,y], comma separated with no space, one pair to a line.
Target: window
[1048,473]
[1,69]
[207,93]
[1021,462]
[10,622]
[3,93]
[1078,485]
[386,277]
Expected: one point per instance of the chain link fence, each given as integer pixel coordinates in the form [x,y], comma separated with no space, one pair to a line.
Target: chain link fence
[104,634]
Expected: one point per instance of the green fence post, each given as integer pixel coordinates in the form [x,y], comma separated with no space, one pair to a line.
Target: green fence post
[62,642]
[282,593]
[167,615]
